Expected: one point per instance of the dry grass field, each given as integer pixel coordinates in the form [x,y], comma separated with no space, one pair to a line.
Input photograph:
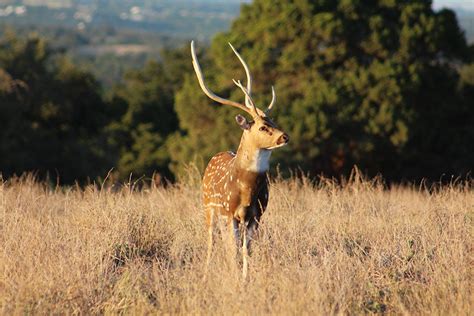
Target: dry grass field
[323,249]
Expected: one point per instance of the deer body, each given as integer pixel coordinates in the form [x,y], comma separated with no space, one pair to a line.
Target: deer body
[235,185]
[232,191]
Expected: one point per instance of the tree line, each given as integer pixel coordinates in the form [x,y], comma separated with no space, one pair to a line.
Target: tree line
[384,85]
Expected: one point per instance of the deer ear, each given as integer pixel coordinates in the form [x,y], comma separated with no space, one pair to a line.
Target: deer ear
[242,121]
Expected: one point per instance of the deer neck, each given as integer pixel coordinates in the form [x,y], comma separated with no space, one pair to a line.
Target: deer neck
[251,158]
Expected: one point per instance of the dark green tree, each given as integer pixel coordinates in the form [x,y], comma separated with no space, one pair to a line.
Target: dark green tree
[146,116]
[52,114]
[372,83]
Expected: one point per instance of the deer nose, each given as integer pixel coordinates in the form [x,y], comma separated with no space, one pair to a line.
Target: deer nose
[283,139]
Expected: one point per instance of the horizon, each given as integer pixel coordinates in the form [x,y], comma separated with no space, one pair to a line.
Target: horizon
[454,4]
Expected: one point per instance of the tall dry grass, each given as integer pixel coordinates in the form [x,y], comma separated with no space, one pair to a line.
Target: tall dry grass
[322,249]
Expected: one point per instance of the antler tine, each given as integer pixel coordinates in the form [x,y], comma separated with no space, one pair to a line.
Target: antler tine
[247,96]
[269,109]
[247,72]
[209,93]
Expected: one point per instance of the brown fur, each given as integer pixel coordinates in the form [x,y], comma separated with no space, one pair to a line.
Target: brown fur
[235,186]
[233,192]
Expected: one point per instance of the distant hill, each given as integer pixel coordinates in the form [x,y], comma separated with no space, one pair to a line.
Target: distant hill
[175,18]
[180,19]
[110,36]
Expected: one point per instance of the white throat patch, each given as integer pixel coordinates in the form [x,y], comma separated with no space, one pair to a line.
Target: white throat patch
[260,161]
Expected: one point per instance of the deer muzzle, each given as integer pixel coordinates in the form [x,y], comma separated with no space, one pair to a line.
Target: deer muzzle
[283,139]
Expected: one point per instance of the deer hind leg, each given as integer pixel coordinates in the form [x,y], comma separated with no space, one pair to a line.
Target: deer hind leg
[236,233]
[252,227]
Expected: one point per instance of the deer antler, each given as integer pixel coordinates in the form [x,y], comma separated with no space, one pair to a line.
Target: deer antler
[248,99]
[269,109]
[248,94]
[249,76]
[249,106]
[212,95]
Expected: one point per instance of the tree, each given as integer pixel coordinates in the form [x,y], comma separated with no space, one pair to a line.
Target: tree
[52,113]
[146,116]
[358,82]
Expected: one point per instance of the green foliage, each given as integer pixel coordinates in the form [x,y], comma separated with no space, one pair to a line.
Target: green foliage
[148,118]
[358,82]
[387,85]
[51,113]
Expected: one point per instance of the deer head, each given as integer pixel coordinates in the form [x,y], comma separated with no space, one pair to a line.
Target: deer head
[260,132]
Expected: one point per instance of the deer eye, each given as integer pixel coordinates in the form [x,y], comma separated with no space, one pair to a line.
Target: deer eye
[262,128]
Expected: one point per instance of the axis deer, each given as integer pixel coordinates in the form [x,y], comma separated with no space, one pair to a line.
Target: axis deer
[235,185]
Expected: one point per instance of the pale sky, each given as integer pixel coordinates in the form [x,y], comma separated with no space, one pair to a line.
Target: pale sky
[463,4]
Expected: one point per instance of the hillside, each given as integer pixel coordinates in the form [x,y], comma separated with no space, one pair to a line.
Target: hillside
[178,19]
[183,19]
[108,37]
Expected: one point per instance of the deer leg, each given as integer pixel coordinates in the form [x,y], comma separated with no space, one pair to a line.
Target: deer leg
[251,231]
[211,221]
[234,237]
[236,231]
[245,254]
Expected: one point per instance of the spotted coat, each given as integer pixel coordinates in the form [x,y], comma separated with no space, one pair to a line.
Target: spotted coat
[233,192]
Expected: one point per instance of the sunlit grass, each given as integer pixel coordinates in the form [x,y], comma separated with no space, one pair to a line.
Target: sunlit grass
[323,248]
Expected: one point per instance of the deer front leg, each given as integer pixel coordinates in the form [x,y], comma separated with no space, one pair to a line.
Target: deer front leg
[210,213]
[245,253]
[234,237]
